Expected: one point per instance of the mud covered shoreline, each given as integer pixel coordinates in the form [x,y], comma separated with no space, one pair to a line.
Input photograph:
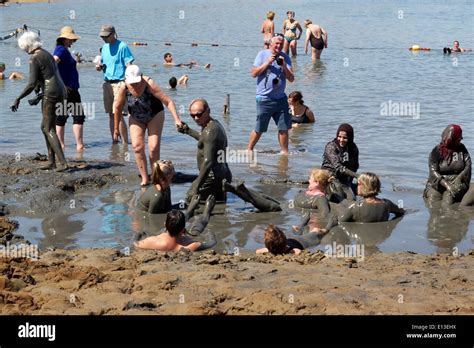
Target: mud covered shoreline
[107,281]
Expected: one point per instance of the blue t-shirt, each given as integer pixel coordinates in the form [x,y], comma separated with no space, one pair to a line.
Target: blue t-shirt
[67,67]
[266,89]
[115,57]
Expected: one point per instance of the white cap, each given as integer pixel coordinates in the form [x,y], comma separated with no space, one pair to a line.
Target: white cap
[133,74]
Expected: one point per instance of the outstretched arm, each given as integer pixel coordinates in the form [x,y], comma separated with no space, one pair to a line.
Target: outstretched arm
[184,128]
[166,100]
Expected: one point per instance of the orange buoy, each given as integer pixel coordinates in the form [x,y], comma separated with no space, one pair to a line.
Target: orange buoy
[139,43]
[418,48]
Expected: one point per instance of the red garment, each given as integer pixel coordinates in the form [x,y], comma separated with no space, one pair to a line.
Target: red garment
[449,140]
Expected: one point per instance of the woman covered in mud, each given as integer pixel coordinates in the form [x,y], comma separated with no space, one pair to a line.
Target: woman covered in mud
[450,168]
[277,243]
[315,195]
[341,159]
[145,102]
[370,208]
[44,75]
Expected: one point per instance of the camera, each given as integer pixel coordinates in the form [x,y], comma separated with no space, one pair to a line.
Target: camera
[279,60]
[275,81]
[35,100]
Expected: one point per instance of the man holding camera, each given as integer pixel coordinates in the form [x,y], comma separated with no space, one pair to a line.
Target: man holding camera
[272,68]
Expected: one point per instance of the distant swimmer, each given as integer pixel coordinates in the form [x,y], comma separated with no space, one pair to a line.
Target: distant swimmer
[173,82]
[168,61]
[450,168]
[175,237]
[268,29]
[300,113]
[15,75]
[317,37]
[370,208]
[277,243]
[456,49]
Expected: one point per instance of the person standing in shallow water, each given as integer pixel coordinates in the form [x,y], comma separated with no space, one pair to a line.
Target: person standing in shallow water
[272,68]
[341,159]
[44,74]
[317,37]
[268,29]
[450,168]
[115,57]
[69,74]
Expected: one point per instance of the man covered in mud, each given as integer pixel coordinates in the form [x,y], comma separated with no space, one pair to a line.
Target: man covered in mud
[212,143]
[215,176]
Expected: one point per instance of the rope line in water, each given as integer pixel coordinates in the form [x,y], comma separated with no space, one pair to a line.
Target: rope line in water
[144,42]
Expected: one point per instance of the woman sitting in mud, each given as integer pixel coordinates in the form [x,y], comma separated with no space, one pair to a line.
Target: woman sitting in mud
[341,158]
[175,238]
[450,169]
[370,208]
[277,243]
[157,198]
[315,196]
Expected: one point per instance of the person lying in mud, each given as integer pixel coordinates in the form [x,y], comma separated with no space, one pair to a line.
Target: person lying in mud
[450,169]
[277,243]
[215,176]
[175,237]
[341,159]
[468,199]
[44,75]
[370,208]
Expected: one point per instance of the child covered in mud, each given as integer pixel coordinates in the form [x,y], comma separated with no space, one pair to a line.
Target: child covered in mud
[277,243]
[175,238]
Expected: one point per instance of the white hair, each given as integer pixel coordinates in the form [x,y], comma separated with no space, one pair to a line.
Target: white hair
[29,41]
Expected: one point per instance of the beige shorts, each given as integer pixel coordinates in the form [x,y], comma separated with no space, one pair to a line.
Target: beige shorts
[110,90]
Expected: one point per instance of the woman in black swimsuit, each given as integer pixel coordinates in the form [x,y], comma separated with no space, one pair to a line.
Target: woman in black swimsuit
[145,104]
[317,37]
[300,113]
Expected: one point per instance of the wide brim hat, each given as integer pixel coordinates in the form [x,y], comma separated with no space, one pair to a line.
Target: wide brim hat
[68,33]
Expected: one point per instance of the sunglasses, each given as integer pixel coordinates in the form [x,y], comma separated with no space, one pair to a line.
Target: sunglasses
[105,37]
[198,115]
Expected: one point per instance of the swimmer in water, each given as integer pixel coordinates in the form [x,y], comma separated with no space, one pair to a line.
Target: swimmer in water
[168,61]
[456,49]
[15,75]
[300,113]
[175,237]
[277,243]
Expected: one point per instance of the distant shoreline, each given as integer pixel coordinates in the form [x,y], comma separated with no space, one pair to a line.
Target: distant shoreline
[3,2]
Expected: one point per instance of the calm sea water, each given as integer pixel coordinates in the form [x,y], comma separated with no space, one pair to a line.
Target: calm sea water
[367,64]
